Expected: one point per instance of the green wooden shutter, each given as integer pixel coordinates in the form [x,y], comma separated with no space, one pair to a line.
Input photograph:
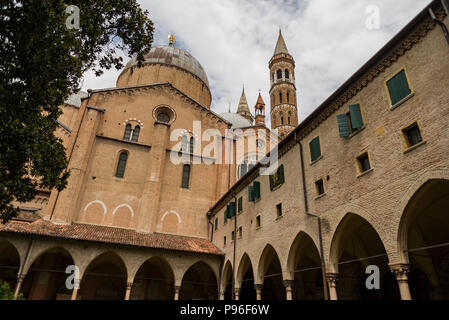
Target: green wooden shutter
[240,205]
[250,194]
[398,87]
[343,127]
[231,211]
[356,116]
[315,150]
[256,188]
[271,182]
[281,172]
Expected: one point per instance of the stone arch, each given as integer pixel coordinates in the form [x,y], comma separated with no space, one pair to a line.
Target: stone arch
[423,240]
[270,274]
[45,276]
[105,278]
[96,215]
[245,278]
[10,262]
[121,216]
[355,245]
[199,282]
[304,268]
[154,280]
[170,221]
[418,183]
[226,280]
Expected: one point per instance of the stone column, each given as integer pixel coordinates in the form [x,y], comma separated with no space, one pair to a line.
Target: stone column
[400,270]
[236,293]
[332,282]
[177,289]
[222,295]
[129,285]
[20,279]
[288,284]
[75,289]
[258,288]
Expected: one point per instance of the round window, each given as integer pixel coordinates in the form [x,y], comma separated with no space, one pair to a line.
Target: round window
[163,117]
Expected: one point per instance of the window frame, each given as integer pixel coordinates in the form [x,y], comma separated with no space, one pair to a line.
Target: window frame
[412,91]
[185,165]
[279,212]
[404,137]
[359,163]
[317,189]
[125,152]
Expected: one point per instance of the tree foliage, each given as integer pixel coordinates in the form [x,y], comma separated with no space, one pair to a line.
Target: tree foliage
[42,63]
[6,292]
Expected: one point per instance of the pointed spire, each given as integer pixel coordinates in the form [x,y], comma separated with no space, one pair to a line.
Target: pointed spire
[260,100]
[281,47]
[243,108]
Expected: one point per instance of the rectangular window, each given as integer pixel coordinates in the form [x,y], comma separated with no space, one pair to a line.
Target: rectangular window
[240,205]
[258,222]
[185,176]
[319,185]
[412,135]
[315,149]
[363,162]
[398,87]
[279,210]
[350,121]
[224,241]
[240,233]
[216,224]
[256,190]
[250,193]
[277,178]
[233,236]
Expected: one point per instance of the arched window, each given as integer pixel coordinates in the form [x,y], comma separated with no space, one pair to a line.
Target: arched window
[279,74]
[287,74]
[184,144]
[127,134]
[288,97]
[120,172]
[282,120]
[135,134]
[280,97]
[192,144]
[185,176]
[288,120]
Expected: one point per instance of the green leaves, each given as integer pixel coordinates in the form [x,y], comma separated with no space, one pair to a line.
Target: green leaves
[42,64]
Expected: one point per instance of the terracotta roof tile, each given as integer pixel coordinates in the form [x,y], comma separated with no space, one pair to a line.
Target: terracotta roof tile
[86,232]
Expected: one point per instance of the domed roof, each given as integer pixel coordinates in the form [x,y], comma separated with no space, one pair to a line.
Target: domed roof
[235,119]
[173,56]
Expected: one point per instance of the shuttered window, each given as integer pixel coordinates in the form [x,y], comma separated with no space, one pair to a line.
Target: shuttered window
[356,116]
[343,127]
[230,210]
[240,204]
[350,121]
[315,149]
[123,158]
[250,193]
[277,178]
[398,87]
[256,188]
[185,176]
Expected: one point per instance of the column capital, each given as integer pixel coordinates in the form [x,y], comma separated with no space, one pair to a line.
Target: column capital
[129,285]
[288,284]
[21,277]
[258,287]
[177,288]
[332,279]
[400,270]
[237,291]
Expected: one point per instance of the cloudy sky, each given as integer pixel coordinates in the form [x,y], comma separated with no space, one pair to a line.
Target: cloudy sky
[234,40]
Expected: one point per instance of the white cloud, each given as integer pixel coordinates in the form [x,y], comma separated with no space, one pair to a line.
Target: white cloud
[235,39]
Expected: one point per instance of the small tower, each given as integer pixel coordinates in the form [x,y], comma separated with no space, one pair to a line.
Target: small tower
[260,110]
[243,108]
[283,111]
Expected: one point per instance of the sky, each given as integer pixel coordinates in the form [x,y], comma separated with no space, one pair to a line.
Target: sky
[235,39]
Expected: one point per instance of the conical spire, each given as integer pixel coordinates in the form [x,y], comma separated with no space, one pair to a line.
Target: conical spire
[281,47]
[260,110]
[243,108]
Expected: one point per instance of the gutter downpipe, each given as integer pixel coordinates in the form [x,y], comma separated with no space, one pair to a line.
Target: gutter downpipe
[235,247]
[439,22]
[306,205]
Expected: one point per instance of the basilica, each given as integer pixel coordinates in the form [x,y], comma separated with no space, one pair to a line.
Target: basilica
[168,199]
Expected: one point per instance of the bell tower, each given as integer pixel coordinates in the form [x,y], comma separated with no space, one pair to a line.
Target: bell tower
[283,112]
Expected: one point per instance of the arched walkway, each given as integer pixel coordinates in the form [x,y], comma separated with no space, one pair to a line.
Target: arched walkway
[304,263]
[199,283]
[271,271]
[46,277]
[154,281]
[355,246]
[227,281]
[245,276]
[9,263]
[424,236]
[104,279]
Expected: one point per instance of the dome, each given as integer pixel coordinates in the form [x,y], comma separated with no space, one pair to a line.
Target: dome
[175,57]
[235,119]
